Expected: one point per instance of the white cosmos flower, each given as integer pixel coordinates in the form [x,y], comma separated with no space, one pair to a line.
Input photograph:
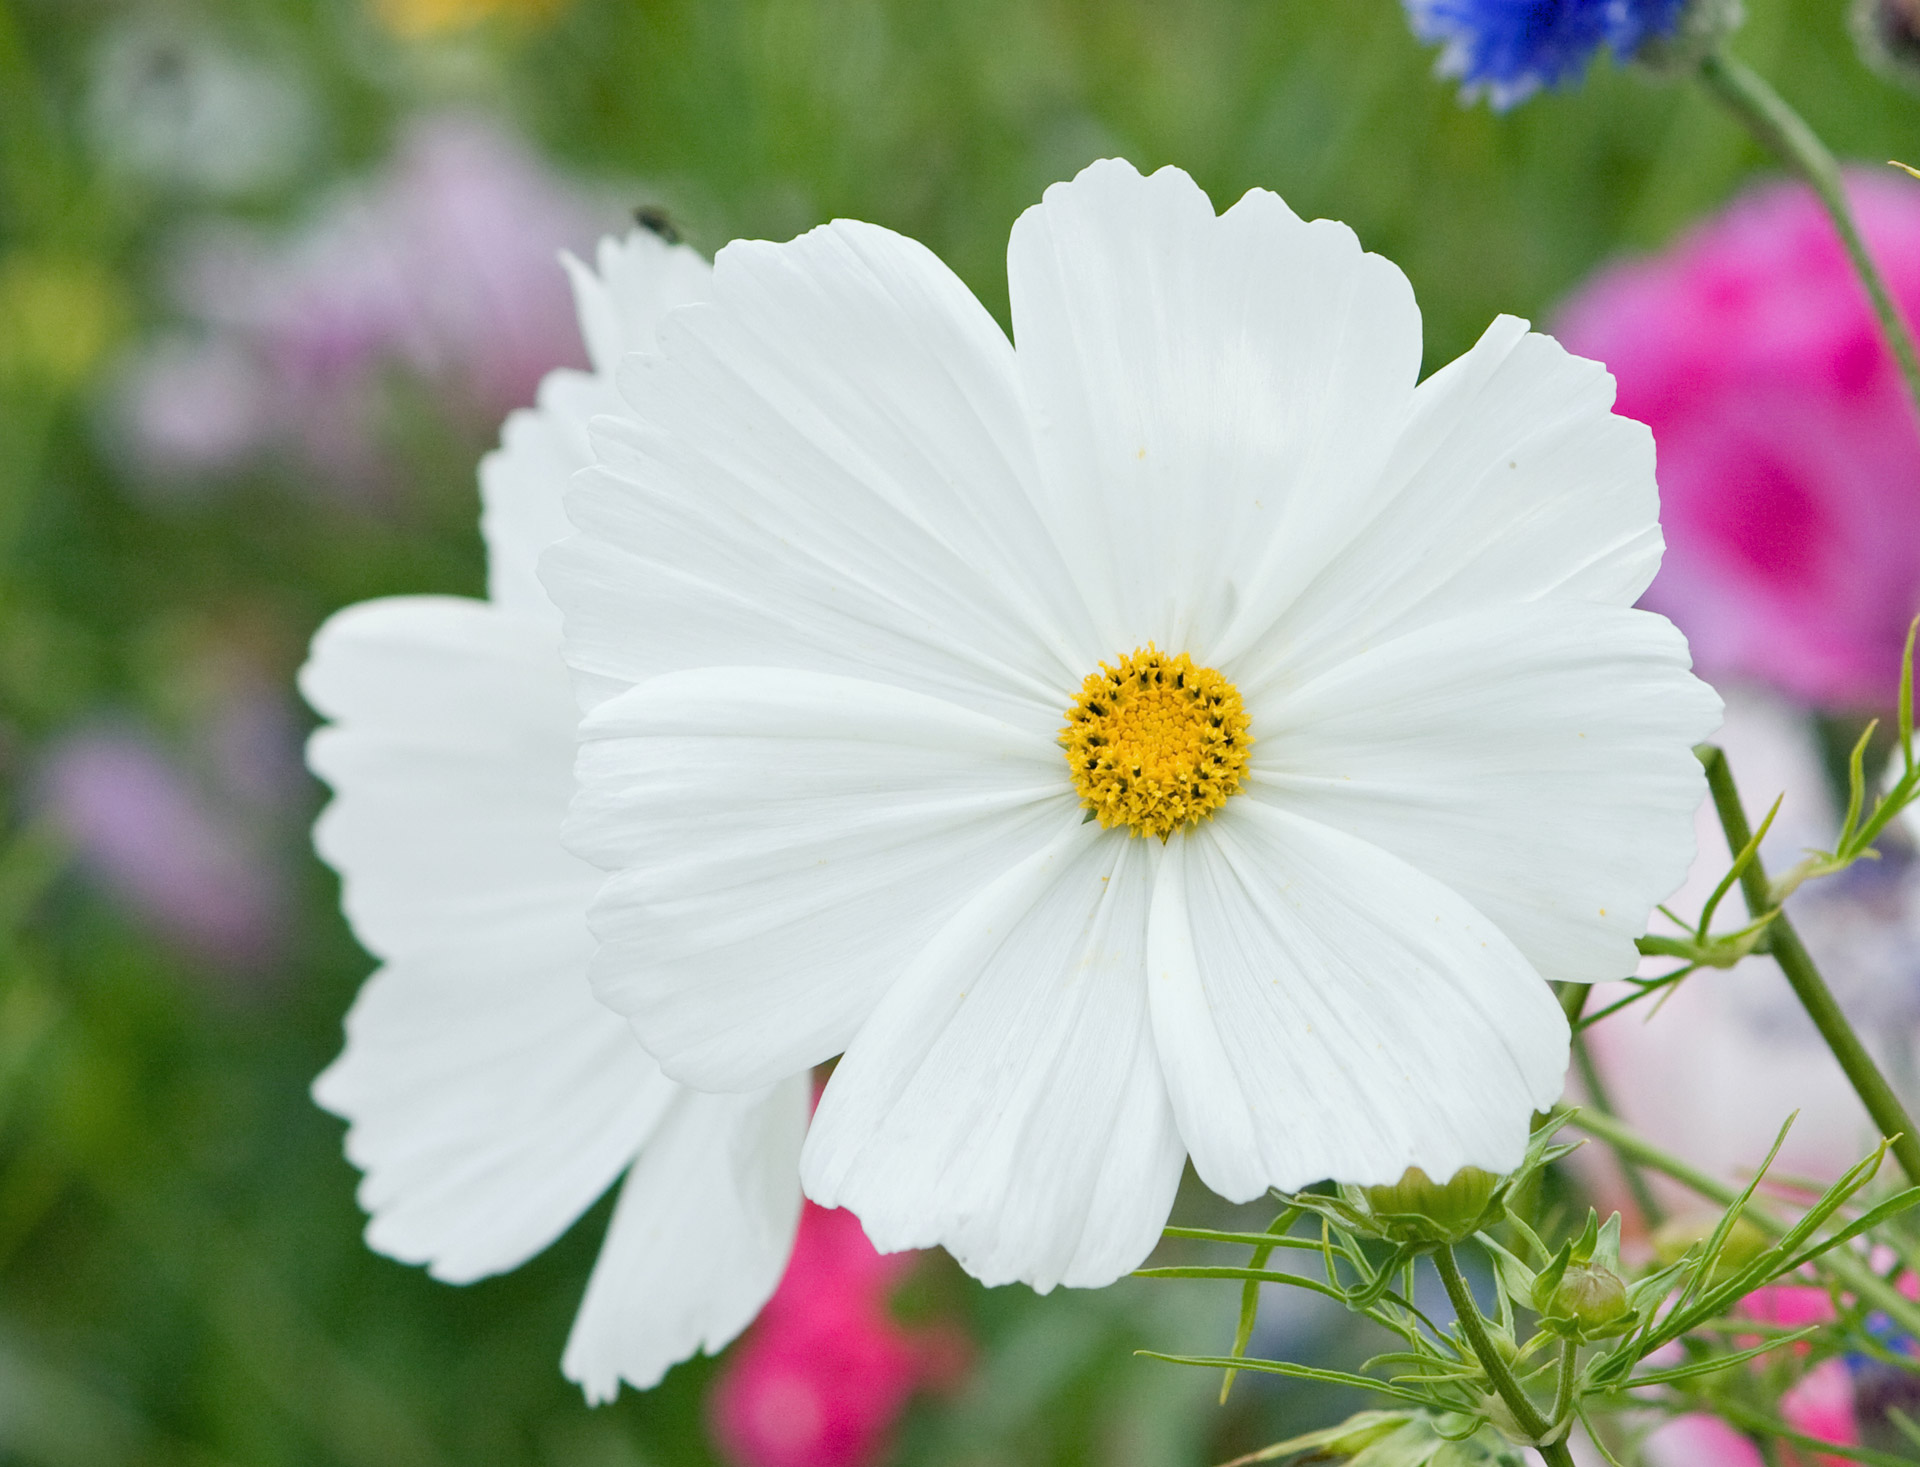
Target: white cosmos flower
[491,1099]
[847,559]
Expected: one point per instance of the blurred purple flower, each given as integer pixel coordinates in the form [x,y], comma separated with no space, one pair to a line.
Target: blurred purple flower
[141,828]
[442,267]
[1789,459]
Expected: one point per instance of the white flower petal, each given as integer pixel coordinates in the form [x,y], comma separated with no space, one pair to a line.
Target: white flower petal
[699,1240]
[829,469]
[1324,1010]
[640,278]
[1204,387]
[1513,481]
[1005,1100]
[635,280]
[491,1099]
[1535,758]
[523,483]
[784,843]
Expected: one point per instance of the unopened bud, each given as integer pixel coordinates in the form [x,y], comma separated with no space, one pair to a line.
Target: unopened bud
[1418,1210]
[1744,1242]
[1888,35]
[1592,1296]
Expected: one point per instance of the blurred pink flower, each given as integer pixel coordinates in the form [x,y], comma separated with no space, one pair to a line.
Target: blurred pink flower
[825,1372]
[1821,1405]
[1699,1441]
[443,266]
[1791,1306]
[140,826]
[1789,458]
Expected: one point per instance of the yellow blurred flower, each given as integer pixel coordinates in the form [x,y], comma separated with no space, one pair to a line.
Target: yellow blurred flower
[417,19]
[57,319]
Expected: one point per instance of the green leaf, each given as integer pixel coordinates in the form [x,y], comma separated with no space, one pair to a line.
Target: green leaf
[1250,1291]
[1716,1363]
[1254,1276]
[1292,1372]
[1246,1240]
[1868,1220]
[1740,863]
[1906,697]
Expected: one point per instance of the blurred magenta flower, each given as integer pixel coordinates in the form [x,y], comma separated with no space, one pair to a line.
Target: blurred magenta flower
[143,829]
[440,268]
[826,1371]
[1789,460]
[1790,1306]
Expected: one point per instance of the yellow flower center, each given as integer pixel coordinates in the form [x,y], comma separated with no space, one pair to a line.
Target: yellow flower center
[1155,743]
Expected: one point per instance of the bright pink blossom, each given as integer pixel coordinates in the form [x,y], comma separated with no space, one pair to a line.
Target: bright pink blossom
[1790,1306]
[1789,459]
[1821,1405]
[826,1370]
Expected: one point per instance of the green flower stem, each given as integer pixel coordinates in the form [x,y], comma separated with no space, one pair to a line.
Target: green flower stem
[1849,1267]
[1889,1115]
[1526,1415]
[1651,1213]
[1563,1385]
[1784,133]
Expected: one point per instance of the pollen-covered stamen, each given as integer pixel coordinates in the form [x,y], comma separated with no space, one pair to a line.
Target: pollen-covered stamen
[1155,742]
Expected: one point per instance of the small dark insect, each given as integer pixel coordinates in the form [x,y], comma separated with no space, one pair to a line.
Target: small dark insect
[657,219]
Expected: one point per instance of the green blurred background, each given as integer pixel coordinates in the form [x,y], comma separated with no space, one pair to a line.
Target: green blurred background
[181,1274]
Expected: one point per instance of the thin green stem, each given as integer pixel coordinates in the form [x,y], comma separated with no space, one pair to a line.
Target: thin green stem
[1784,133]
[1651,1213]
[1849,1267]
[1563,1386]
[1888,1114]
[1526,1415]
[1573,1002]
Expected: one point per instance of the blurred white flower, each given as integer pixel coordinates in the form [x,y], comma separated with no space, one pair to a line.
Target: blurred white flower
[177,107]
[491,1099]
[848,564]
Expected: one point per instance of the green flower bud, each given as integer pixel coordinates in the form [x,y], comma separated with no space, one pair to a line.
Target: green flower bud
[1421,1212]
[1592,1296]
[1744,1243]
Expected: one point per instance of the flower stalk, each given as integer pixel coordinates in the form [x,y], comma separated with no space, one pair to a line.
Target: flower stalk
[1526,1415]
[1784,133]
[1780,940]
[1564,1378]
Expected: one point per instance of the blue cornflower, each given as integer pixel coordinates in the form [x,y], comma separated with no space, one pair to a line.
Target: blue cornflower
[1507,50]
